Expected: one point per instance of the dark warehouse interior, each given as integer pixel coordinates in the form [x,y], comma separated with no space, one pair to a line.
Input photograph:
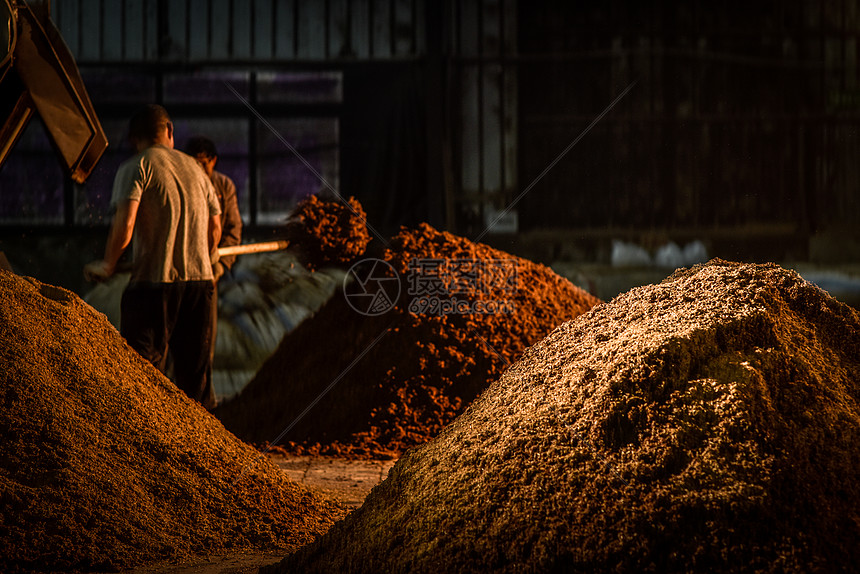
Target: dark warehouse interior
[468,286]
[739,128]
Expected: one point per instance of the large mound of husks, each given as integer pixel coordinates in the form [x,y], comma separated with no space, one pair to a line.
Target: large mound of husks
[105,464]
[375,374]
[706,424]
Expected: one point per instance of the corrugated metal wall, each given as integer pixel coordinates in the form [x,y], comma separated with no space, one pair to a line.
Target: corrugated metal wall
[235,31]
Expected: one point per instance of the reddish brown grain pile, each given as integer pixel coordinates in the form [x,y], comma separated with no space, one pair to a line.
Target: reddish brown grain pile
[328,232]
[399,377]
[104,463]
[706,424]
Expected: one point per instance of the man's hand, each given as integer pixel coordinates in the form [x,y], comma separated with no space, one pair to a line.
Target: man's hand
[218,270]
[98,270]
[119,237]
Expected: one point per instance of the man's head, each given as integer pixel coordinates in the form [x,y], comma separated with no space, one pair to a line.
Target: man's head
[149,126]
[203,150]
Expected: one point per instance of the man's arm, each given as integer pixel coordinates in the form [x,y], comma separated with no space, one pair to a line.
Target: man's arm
[214,231]
[231,232]
[119,237]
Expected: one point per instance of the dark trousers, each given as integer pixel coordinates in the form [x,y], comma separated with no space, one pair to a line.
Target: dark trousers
[158,318]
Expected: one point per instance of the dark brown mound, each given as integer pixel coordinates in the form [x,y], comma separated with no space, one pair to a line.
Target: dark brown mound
[706,424]
[104,463]
[399,377]
[328,231]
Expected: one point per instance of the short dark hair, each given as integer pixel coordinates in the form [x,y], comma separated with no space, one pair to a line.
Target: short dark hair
[200,144]
[147,121]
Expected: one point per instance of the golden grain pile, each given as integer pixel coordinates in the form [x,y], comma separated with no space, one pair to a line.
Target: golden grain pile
[706,424]
[105,464]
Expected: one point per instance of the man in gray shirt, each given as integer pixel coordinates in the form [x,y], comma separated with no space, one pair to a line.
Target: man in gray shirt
[167,210]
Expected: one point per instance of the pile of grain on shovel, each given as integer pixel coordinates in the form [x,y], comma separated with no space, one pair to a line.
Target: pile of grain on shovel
[328,231]
[105,464]
[379,384]
[709,423]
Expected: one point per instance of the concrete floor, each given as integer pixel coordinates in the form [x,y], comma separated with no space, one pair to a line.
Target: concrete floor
[347,481]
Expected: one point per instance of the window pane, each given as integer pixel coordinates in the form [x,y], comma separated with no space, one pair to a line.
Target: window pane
[31,180]
[284,179]
[231,139]
[115,86]
[205,87]
[300,87]
[92,199]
